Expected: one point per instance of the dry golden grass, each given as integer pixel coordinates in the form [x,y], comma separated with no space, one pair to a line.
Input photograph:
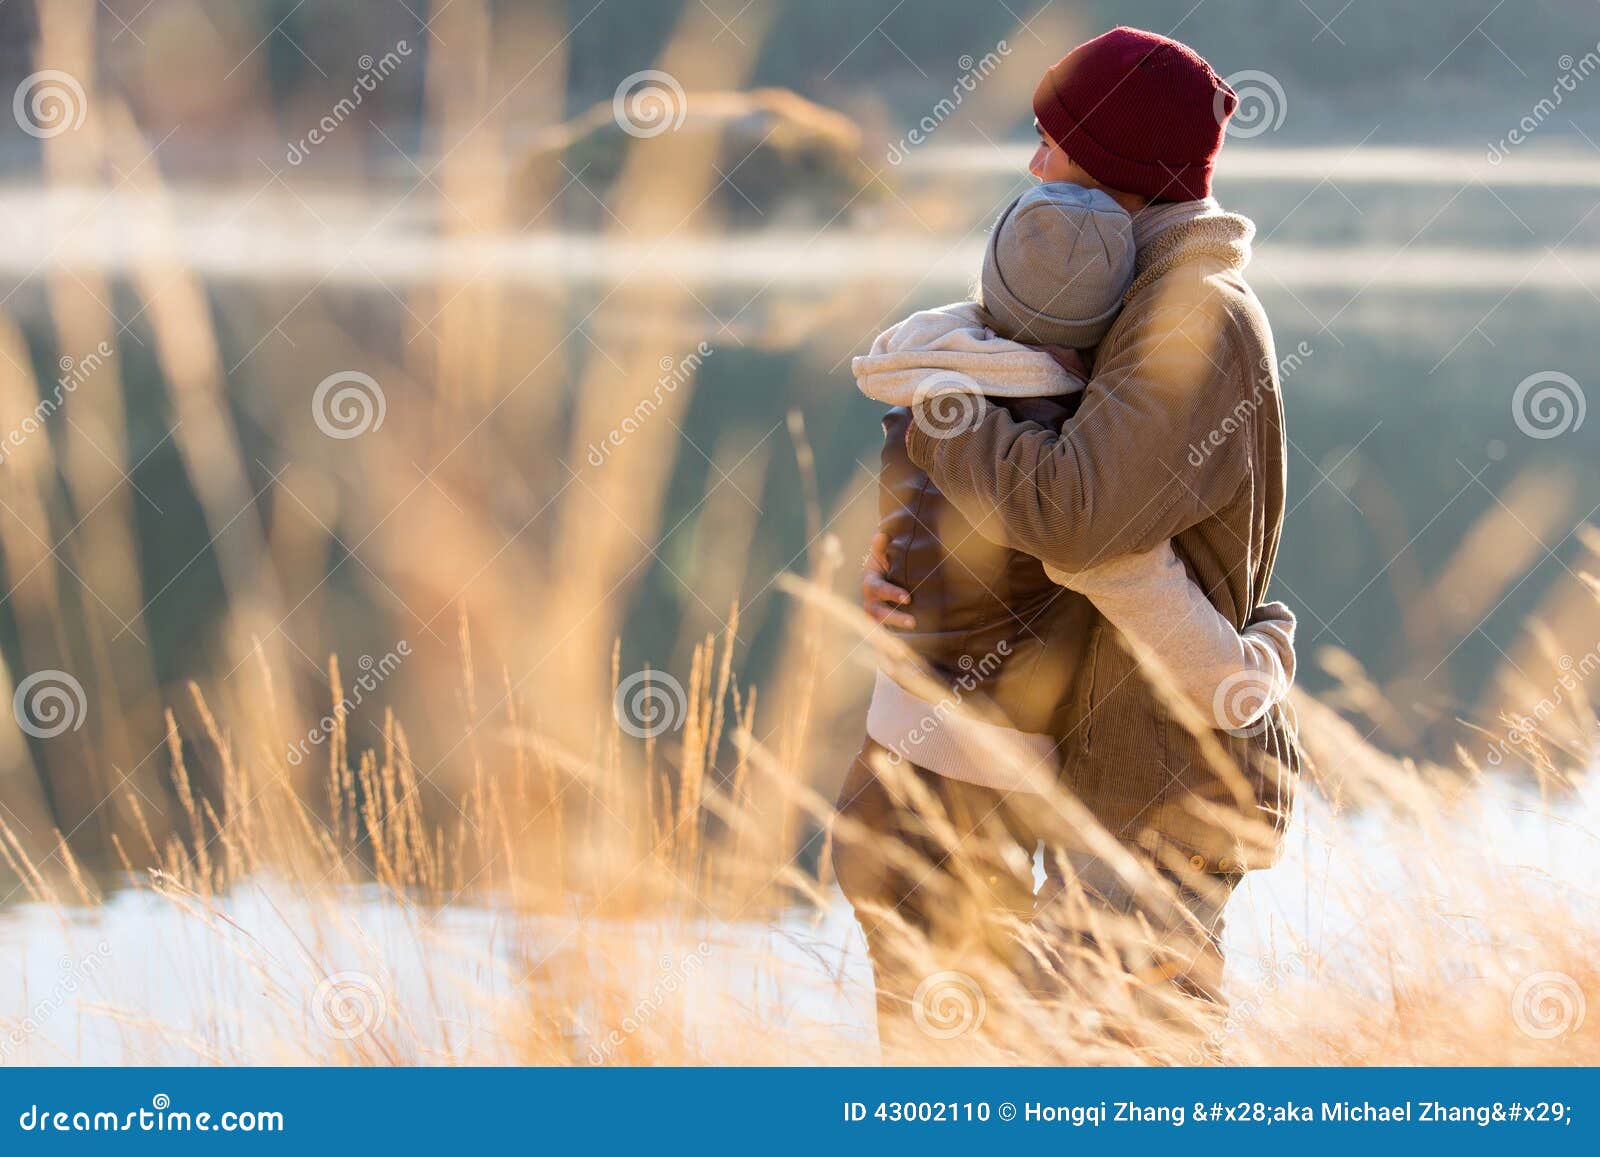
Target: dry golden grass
[608,929]
[659,898]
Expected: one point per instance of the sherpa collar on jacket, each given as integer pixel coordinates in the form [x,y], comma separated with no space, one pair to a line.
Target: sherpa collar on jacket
[1168,235]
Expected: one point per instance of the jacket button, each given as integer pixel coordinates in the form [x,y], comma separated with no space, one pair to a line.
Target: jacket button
[1197,862]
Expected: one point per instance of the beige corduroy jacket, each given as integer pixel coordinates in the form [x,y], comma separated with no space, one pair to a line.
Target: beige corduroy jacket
[1179,436]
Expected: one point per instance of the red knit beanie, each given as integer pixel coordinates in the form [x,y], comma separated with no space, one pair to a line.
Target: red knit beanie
[1141,113]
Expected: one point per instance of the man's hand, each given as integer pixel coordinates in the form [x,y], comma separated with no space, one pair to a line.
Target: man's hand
[879,596]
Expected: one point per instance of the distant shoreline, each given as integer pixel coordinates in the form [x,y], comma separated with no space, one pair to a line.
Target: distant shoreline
[365,241]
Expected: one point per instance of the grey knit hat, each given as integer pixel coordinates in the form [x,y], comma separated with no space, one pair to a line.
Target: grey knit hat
[1059,260]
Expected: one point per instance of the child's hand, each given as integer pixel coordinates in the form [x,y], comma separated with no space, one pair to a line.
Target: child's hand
[879,596]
